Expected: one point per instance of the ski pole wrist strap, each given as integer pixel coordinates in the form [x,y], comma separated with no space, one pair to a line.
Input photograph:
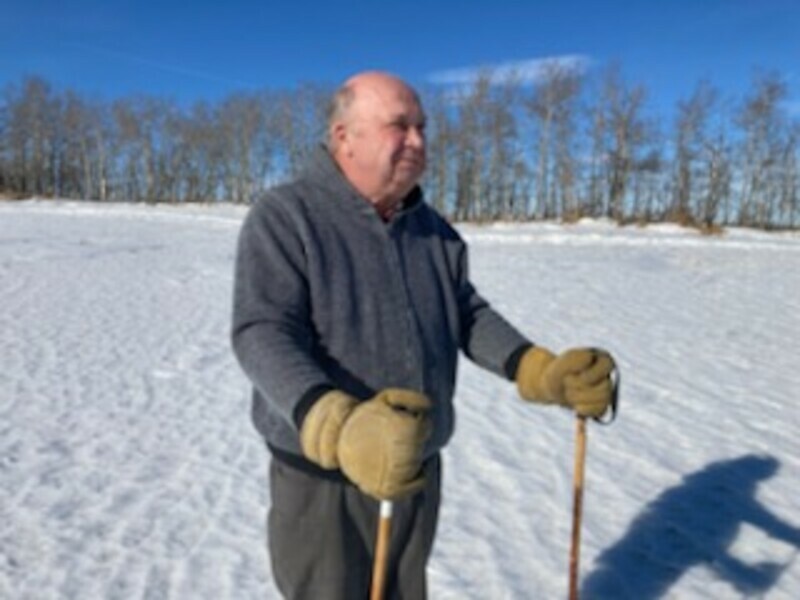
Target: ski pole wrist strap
[610,415]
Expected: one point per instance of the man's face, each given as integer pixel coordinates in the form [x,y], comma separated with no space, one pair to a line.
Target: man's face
[385,140]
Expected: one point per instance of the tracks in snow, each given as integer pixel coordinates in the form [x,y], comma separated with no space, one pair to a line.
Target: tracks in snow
[128,467]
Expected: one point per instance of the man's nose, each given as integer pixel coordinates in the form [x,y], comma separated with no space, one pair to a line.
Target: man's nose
[415,137]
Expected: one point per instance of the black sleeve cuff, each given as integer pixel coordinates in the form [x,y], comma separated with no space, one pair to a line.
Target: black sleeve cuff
[307,400]
[512,364]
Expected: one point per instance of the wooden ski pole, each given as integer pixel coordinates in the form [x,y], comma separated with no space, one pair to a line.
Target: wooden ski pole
[578,481]
[381,560]
[577,506]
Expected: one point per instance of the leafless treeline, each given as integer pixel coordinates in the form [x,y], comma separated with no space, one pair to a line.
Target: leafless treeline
[570,146]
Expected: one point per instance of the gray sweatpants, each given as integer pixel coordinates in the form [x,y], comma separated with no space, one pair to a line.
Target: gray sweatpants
[321,536]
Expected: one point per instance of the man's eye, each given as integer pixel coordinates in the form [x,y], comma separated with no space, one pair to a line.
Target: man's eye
[403,126]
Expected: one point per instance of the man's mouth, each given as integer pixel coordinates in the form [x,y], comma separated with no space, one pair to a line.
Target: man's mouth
[416,161]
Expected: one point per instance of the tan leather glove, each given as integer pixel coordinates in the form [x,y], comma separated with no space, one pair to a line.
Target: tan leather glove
[381,444]
[319,435]
[579,378]
[378,443]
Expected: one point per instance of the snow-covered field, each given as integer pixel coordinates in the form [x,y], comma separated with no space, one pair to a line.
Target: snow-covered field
[129,469]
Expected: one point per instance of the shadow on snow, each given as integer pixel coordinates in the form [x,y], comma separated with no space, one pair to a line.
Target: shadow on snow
[693,524]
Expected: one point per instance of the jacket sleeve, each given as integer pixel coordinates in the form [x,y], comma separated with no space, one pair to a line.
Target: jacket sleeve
[272,334]
[487,338]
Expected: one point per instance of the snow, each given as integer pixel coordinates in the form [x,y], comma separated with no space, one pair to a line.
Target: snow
[129,468]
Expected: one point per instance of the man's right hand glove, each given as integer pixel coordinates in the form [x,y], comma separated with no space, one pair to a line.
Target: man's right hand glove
[579,379]
[378,443]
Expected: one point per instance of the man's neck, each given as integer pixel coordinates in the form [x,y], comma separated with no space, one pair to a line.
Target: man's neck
[387,210]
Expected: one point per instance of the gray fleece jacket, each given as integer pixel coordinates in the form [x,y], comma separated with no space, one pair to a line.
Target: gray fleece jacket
[327,295]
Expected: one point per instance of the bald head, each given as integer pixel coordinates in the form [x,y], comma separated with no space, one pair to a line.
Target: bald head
[361,84]
[376,135]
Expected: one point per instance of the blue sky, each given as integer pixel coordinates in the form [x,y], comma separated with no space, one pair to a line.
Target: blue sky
[204,50]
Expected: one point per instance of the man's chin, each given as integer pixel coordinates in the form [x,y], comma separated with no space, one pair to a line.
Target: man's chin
[409,181]
[410,170]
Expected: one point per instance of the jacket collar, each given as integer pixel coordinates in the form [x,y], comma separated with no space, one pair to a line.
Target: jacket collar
[324,172]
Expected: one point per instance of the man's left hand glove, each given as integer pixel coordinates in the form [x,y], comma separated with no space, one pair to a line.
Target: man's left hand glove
[578,378]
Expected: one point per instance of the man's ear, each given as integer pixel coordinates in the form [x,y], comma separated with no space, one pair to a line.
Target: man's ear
[339,134]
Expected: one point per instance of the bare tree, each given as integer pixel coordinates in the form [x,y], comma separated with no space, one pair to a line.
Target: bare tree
[501,129]
[627,127]
[143,147]
[789,184]
[485,140]
[87,148]
[30,133]
[691,140]
[647,186]
[596,197]
[717,167]
[553,106]
[606,160]
[763,125]
[240,120]
[76,163]
[440,133]
[199,153]
[473,104]
[300,123]
[543,106]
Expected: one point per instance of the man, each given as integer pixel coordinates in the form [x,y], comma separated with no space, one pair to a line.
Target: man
[351,304]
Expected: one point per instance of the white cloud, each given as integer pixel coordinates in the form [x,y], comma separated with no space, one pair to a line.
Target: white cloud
[525,71]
